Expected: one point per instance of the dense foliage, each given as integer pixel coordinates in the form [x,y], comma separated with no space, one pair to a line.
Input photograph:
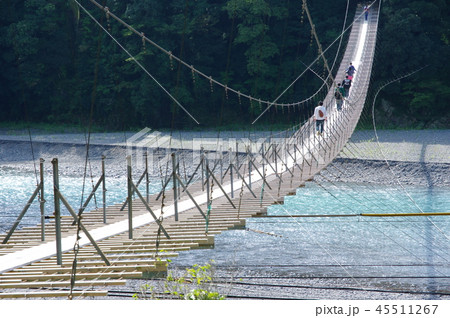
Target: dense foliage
[413,35]
[59,66]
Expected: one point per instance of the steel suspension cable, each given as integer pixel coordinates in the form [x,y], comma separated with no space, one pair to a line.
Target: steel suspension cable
[355,156]
[193,69]
[88,137]
[372,185]
[379,230]
[142,234]
[312,240]
[387,162]
[315,60]
[376,203]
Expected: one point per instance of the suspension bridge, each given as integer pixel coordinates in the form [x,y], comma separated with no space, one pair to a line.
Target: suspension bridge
[134,239]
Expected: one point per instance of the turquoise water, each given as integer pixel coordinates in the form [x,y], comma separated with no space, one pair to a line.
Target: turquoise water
[351,245]
[344,246]
[16,188]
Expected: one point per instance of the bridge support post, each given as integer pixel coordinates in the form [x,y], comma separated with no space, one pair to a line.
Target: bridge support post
[238,165]
[262,161]
[207,183]
[249,169]
[147,181]
[231,173]
[25,209]
[174,176]
[57,211]
[221,165]
[145,174]
[263,177]
[129,199]
[202,161]
[42,199]
[104,189]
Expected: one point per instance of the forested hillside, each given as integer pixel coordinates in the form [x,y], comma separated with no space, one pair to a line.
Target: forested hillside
[58,66]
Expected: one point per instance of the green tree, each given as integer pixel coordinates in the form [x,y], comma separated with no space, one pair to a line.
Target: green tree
[412,37]
[58,64]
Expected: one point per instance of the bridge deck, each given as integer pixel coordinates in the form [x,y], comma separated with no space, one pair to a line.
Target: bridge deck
[26,263]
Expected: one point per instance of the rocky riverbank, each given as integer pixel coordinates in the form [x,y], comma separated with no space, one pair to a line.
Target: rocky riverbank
[410,157]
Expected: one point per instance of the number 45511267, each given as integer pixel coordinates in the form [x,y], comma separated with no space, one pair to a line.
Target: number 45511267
[407,309]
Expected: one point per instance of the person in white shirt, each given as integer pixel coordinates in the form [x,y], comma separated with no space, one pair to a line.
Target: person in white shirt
[320,115]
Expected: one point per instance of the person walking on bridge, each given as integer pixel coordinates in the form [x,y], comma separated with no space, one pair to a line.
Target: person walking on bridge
[346,83]
[350,71]
[366,12]
[339,96]
[320,115]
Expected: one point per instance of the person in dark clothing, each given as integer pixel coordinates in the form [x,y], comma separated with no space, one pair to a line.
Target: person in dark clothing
[350,71]
[346,83]
[366,12]
[339,96]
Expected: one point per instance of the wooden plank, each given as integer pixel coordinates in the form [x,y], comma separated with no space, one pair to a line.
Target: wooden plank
[81,264]
[145,249]
[37,276]
[10,280]
[54,294]
[163,240]
[113,250]
[177,235]
[56,269]
[114,256]
[53,284]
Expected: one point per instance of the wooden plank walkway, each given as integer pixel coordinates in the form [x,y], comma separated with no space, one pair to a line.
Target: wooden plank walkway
[146,254]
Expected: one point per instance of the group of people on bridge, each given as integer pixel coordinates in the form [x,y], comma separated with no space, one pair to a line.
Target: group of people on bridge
[341,92]
[343,89]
